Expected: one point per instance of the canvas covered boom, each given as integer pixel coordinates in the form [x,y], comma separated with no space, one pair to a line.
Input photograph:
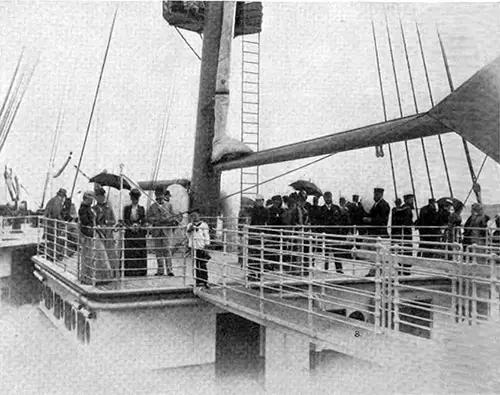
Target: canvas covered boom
[472,111]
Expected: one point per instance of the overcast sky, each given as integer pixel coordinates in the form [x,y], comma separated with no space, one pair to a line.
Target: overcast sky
[318,76]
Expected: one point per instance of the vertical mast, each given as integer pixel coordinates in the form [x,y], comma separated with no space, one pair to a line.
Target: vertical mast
[205,181]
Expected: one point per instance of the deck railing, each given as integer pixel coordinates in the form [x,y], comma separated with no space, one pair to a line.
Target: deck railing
[349,275]
[309,276]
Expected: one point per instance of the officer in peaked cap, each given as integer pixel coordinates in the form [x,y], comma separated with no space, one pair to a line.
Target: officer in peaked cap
[378,217]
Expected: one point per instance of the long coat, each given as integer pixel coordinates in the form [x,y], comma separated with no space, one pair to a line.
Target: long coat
[379,215]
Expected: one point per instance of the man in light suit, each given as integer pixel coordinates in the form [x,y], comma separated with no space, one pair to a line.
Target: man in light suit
[161,215]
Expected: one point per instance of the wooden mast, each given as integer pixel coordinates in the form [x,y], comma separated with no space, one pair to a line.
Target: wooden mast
[205,180]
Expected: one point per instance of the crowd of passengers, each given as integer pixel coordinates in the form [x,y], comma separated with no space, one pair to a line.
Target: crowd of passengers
[437,225]
[94,226]
[100,255]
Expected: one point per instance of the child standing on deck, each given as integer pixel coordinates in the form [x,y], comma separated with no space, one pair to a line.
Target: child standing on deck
[199,238]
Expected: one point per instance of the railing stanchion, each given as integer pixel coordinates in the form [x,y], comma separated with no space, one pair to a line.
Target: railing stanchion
[281,263]
[245,253]
[473,285]
[184,268]
[261,269]
[65,247]
[312,267]
[310,302]
[224,281]
[378,287]
[494,297]
[396,299]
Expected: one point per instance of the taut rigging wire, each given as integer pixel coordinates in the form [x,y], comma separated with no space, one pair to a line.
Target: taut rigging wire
[186,41]
[445,162]
[93,104]
[400,110]
[424,151]
[466,147]
[384,108]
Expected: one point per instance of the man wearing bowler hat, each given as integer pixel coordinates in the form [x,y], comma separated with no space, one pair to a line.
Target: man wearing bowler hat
[161,215]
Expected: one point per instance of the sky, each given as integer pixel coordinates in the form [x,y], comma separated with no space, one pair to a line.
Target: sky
[318,76]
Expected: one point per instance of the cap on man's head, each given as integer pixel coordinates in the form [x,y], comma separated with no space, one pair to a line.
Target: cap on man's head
[276,197]
[159,191]
[62,192]
[327,193]
[135,193]
[397,201]
[88,195]
[476,207]
[432,201]
[259,197]
[408,196]
[355,197]
[378,190]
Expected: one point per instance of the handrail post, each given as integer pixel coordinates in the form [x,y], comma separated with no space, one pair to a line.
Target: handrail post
[281,264]
[396,299]
[245,253]
[378,288]
[224,281]
[311,256]
[310,302]
[302,250]
[224,240]
[261,290]
[184,268]
[473,286]
[494,297]
[65,253]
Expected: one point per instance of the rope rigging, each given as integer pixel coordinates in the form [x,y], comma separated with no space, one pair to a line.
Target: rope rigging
[424,151]
[93,104]
[401,111]
[163,136]
[475,185]
[379,149]
[186,41]
[445,162]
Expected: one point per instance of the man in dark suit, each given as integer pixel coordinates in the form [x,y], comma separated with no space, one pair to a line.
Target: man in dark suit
[378,217]
[428,228]
[332,220]
[259,217]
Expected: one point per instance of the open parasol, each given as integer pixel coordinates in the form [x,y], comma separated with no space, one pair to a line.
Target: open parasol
[110,180]
[307,186]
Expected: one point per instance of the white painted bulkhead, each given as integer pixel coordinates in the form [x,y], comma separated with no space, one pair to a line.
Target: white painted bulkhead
[132,339]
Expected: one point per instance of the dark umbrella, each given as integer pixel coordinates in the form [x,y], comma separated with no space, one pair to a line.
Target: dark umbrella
[110,180]
[457,204]
[307,186]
